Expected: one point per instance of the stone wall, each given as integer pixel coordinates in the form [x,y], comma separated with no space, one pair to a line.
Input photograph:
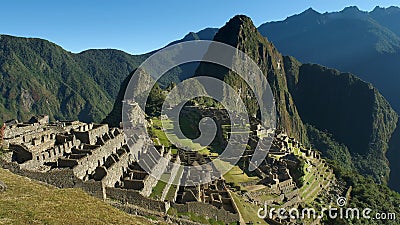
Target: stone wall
[94,188]
[206,210]
[88,164]
[19,130]
[249,183]
[62,178]
[88,133]
[25,133]
[173,173]
[116,171]
[149,183]
[135,198]
[154,163]
[49,155]
[135,210]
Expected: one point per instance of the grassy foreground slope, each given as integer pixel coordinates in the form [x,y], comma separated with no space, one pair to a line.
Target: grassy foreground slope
[28,202]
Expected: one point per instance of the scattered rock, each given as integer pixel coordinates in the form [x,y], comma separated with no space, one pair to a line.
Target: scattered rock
[3,186]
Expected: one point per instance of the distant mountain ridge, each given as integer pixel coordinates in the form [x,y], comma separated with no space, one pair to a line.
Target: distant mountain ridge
[364,43]
[205,34]
[387,17]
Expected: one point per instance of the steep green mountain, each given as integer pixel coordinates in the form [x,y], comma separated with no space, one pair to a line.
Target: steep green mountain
[364,43]
[354,127]
[115,116]
[393,155]
[39,77]
[109,67]
[139,84]
[241,33]
[349,109]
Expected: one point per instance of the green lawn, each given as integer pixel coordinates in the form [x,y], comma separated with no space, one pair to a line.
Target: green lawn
[162,137]
[160,186]
[172,189]
[174,151]
[171,193]
[236,176]
[169,126]
[158,189]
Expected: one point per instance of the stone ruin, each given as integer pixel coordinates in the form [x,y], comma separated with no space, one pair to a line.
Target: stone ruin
[207,193]
[74,154]
[100,160]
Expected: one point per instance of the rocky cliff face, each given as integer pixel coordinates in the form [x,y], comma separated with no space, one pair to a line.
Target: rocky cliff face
[353,111]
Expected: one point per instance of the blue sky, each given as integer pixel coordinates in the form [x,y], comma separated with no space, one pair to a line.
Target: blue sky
[141,27]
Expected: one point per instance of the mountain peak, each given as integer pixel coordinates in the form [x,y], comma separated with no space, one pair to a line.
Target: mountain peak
[235,28]
[311,11]
[205,34]
[309,15]
[383,9]
[240,21]
[241,33]
[351,9]
[353,12]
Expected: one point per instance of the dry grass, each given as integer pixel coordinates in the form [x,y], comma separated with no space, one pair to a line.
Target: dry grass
[30,202]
